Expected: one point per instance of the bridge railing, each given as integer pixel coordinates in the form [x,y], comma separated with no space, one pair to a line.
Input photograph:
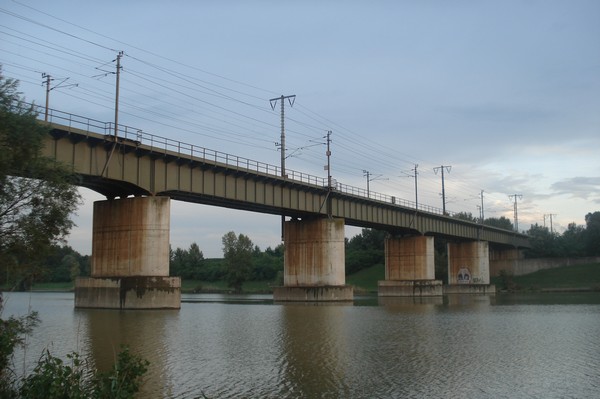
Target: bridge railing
[138,137]
[75,121]
[361,192]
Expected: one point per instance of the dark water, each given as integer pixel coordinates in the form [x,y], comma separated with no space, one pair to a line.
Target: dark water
[507,346]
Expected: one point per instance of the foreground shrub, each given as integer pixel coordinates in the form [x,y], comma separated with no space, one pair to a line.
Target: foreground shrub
[53,378]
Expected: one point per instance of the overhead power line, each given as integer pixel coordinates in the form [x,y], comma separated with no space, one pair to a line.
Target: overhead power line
[13,14]
[351,147]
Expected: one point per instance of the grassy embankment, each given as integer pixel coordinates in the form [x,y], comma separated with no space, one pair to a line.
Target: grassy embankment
[363,281]
[560,278]
[580,277]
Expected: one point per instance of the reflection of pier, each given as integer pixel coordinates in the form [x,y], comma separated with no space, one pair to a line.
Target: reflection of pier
[316,351]
[143,332]
[411,303]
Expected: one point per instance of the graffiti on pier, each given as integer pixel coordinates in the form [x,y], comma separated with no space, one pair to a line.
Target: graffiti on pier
[464,276]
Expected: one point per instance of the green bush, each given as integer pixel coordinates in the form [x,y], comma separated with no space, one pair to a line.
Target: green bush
[53,378]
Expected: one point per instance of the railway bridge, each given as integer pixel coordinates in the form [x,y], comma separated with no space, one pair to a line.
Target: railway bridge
[140,173]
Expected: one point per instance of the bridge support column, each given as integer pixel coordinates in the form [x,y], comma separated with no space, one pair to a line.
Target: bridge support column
[130,257]
[469,268]
[409,268]
[314,262]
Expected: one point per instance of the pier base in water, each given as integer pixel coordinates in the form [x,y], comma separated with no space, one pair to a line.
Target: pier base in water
[313,294]
[128,293]
[470,289]
[409,288]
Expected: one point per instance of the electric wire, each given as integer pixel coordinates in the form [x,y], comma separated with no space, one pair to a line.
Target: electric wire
[347,141]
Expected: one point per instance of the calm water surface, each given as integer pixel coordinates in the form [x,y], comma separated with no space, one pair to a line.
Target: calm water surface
[507,346]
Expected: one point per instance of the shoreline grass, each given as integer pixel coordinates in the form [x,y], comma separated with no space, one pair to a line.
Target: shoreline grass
[565,278]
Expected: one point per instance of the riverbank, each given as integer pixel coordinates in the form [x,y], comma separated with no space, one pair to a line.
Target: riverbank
[578,278]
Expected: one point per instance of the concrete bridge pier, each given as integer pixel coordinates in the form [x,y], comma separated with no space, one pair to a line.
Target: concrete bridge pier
[314,262]
[130,257]
[469,268]
[409,268]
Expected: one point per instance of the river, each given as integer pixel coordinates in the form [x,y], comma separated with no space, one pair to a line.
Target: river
[503,346]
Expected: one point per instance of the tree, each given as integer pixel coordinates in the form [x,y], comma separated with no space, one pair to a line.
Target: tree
[266,265]
[572,241]
[237,252]
[592,234]
[187,264]
[365,250]
[468,216]
[36,195]
[543,242]
[502,223]
[12,335]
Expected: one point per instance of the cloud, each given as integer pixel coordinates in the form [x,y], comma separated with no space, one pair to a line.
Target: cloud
[579,187]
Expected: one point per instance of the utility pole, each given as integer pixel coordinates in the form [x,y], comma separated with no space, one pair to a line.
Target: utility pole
[448,168]
[291,99]
[117,95]
[415,174]
[329,186]
[482,216]
[368,175]
[516,214]
[550,215]
[47,83]
[48,89]
[328,153]
[416,189]
[118,73]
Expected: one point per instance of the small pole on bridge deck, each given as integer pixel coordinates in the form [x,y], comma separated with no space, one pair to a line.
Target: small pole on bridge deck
[370,178]
[48,89]
[415,175]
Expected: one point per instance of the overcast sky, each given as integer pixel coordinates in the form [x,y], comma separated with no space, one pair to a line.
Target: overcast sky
[506,93]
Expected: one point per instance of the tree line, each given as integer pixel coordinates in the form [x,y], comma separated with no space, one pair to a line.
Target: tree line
[575,241]
[243,261]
